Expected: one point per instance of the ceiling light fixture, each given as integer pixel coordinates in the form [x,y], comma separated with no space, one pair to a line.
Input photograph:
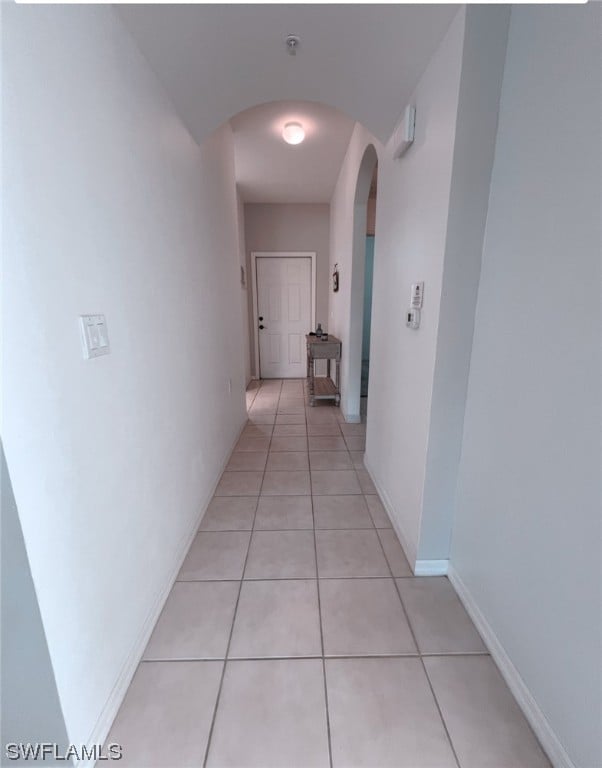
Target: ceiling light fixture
[293,133]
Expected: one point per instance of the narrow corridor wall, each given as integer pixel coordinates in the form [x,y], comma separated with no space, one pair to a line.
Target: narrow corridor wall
[411,220]
[483,58]
[411,224]
[30,710]
[110,206]
[430,219]
[245,289]
[526,541]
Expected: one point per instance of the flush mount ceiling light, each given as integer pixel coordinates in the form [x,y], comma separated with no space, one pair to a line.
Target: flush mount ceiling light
[293,133]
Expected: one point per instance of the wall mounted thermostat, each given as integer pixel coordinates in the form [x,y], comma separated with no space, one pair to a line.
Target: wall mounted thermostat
[413,318]
[95,337]
[417,295]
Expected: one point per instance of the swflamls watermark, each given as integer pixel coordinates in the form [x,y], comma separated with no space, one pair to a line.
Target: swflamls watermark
[73,752]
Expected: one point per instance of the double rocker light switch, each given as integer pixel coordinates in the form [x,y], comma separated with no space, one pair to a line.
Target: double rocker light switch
[95,337]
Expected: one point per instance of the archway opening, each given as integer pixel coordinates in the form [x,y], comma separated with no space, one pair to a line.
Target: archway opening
[368,283]
[364,227]
[284,213]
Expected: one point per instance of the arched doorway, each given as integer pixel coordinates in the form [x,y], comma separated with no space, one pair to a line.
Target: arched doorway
[361,283]
[368,282]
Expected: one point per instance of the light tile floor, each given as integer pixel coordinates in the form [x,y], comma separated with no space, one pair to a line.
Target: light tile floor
[296,634]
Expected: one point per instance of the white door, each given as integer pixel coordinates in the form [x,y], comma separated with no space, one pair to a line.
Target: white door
[283,315]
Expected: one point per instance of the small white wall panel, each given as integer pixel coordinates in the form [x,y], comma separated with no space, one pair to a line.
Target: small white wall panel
[294,349]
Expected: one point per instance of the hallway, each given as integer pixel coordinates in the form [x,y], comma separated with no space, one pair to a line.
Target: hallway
[335,653]
[209,580]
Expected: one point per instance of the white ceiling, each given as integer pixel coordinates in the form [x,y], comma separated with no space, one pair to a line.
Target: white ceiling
[269,170]
[217,60]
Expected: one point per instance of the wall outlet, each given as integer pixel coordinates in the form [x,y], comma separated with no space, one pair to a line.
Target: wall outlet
[413,318]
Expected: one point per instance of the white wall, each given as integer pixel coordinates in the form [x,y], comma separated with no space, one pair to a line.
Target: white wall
[411,225]
[347,224]
[30,710]
[290,227]
[245,290]
[430,218]
[526,540]
[483,57]
[109,206]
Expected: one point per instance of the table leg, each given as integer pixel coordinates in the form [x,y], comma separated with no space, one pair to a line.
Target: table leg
[310,378]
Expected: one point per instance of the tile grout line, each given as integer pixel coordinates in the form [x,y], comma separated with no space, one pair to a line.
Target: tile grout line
[420,655]
[417,654]
[319,609]
[242,576]
[282,530]
[298,578]
[227,659]
[266,463]
[315,656]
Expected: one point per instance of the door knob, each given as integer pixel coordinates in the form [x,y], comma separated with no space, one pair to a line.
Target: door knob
[260,319]
[261,327]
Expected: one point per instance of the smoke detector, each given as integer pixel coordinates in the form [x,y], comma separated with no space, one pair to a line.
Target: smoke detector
[292,43]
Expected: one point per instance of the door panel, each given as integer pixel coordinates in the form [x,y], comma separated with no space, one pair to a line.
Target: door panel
[273,313]
[294,349]
[294,304]
[284,302]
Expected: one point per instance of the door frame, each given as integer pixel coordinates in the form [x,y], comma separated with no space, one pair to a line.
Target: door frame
[351,363]
[280,255]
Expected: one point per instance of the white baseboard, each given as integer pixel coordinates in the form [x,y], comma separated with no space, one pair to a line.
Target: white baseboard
[536,718]
[351,418]
[111,707]
[409,549]
[431,567]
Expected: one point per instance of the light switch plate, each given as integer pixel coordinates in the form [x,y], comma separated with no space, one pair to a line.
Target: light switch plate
[417,295]
[95,336]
